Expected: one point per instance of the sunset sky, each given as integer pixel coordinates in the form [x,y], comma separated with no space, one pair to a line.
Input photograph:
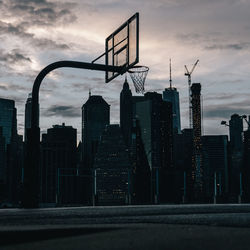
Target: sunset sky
[35,33]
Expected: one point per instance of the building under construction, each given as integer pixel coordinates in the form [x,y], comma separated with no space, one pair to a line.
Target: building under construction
[197,169]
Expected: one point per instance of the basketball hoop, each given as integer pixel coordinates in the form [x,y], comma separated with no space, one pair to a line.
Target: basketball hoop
[138,75]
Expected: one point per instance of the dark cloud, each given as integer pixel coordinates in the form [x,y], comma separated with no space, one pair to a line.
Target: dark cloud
[189,37]
[42,13]
[46,43]
[211,41]
[3,87]
[233,46]
[63,111]
[46,91]
[14,56]
[93,84]
[225,97]
[33,13]
[18,30]
[224,111]
[30,1]
[199,38]
[13,87]
[84,86]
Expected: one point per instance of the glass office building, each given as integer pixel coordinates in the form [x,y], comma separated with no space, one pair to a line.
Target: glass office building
[172,95]
[8,120]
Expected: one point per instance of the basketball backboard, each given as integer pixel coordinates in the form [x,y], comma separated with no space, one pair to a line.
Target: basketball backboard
[122,47]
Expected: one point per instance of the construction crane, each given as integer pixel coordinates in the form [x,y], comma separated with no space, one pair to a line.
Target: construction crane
[188,74]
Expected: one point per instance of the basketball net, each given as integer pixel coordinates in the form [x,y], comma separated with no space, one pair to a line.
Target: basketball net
[138,75]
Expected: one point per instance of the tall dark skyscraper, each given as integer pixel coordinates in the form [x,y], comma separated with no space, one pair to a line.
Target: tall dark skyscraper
[246,165]
[58,159]
[113,169]
[235,131]
[172,95]
[95,117]
[155,119]
[27,119]
[2,164]
[183,161]
[8,134]
[8,120]
[236,153]
[140,166]
[197,173]
[126,112]
[215,162]
[11,170]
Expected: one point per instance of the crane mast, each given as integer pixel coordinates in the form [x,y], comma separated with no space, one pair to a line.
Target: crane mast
[188,74]
[170,74]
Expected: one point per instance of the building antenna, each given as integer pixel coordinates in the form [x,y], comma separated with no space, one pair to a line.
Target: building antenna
[170,74]
[89,92]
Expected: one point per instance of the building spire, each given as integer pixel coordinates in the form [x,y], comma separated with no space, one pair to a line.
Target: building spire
[170,74]
[125,84]
[89,92]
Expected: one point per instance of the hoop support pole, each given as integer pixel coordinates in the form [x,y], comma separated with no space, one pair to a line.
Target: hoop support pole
[31,185]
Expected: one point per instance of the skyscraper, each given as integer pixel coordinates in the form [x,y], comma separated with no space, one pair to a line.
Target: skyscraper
[27,119]
[14,168]
[8,133]
[140,166]
[235,131]
[13,149]
[2,164]
[58,159]
[95,117]
[113,169]
[183,161]
[8,120]
[126,112]
[215,165]
[236,153]
[172,95]
[197,173]
[246,164]
[155,119]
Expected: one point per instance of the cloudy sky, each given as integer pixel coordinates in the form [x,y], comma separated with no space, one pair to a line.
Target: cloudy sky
[35,33]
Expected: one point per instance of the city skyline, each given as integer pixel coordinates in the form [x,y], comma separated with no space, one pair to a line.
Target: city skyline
[36,33]
[83,161]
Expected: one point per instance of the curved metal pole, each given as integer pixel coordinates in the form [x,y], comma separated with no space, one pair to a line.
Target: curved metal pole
[61,64]
[31,185]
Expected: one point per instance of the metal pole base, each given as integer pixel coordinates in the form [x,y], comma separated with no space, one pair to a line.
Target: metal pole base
[215,199]
[184,199]
[239,199]
[156,201]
